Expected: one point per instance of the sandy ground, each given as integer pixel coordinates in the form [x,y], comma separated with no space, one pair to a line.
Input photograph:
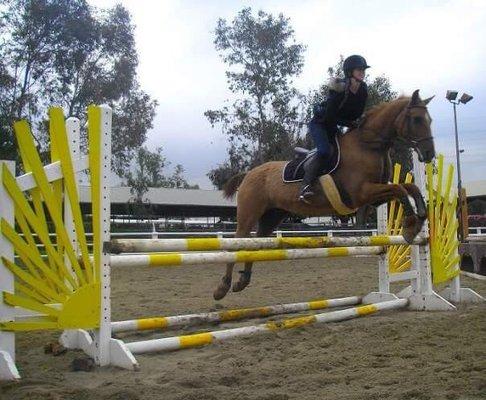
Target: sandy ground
[396,355]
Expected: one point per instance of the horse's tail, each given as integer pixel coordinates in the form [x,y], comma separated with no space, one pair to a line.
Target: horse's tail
[231,186]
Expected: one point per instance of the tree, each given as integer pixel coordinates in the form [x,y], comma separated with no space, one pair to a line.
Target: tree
[148,172]
[178,181]
[67,53]
[262,58]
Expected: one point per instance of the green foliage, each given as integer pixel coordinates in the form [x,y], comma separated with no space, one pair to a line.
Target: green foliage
[262,58]
[148,172]
[67,53]
[178,181]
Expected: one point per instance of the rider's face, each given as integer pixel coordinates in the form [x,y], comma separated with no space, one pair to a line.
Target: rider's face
[359,74]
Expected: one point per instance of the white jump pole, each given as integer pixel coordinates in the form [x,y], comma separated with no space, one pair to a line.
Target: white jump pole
[229,315]
[234,244]
[174,259]
[201,339]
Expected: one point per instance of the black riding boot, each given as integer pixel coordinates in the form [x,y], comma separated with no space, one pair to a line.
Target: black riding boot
[312,170]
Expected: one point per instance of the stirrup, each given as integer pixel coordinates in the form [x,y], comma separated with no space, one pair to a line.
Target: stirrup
[305,193]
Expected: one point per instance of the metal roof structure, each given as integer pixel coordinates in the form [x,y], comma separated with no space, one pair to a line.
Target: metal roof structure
[206,198]
[475,188]
[170,202]
[203,203]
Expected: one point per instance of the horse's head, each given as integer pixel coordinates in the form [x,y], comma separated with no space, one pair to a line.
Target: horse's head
[413,127]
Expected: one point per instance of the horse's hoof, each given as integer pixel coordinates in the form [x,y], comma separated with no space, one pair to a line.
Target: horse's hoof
[240,285]
[221,290]
[412,225]
[408,236]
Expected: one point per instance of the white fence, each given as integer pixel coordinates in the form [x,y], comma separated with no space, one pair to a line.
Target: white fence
[154,234]
[474,232]
[477,230]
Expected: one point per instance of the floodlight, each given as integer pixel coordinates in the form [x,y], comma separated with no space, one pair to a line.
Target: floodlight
[451,95]
[465,98]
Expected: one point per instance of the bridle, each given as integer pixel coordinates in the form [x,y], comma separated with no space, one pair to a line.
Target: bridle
[407,138]
[402,124]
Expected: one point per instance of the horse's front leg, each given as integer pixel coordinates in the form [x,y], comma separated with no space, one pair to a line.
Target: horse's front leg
[378,193]
[414,191]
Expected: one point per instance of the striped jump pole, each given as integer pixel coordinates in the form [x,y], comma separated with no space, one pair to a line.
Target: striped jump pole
[229,315]
[174,259]
[207,244]
[201,339]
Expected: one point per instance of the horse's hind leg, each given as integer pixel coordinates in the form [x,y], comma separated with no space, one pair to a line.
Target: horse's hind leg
[266,225]
[225,283]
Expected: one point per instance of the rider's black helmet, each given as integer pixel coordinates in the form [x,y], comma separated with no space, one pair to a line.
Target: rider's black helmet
[353,62]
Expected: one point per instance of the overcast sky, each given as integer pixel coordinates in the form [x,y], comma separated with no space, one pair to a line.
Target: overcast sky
[430,45]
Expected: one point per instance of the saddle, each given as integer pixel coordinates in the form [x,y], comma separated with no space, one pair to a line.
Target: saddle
[294,170]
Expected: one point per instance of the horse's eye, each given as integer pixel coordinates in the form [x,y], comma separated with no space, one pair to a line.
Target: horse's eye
[417,120]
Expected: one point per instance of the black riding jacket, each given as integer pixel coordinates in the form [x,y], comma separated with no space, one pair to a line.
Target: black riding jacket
[342,107]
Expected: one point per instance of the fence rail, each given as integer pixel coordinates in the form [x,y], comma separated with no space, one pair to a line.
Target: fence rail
[477,230]
[154,234]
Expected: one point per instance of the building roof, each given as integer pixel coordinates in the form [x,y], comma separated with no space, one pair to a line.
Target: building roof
[475,188]
[213,198]
[197,203]
[163,196]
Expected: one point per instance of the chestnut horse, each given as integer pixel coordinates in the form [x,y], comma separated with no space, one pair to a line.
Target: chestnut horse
[362,177]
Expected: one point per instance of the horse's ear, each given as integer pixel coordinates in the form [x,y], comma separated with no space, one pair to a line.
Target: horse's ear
[427,101]
[415,98]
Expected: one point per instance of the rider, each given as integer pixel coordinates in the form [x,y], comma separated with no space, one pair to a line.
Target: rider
[343,106]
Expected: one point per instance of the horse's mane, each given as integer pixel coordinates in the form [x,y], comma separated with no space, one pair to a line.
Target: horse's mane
[387,105]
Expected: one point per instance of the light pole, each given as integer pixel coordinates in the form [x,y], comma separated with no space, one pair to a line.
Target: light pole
[451,95]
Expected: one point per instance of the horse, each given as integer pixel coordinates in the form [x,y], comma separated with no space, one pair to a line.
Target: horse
[362,176]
